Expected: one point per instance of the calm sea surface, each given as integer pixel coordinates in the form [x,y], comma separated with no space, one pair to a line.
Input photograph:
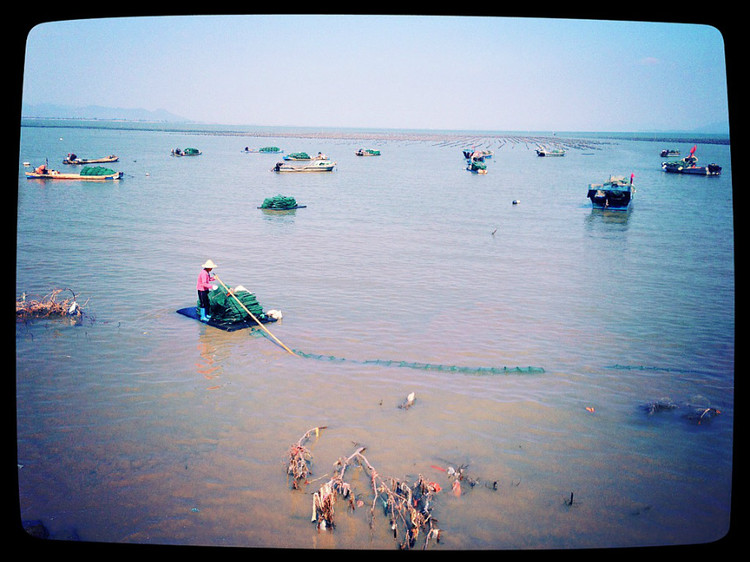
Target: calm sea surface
[142,426]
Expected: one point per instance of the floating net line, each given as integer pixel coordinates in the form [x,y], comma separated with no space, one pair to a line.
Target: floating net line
[662,369]
[428,366]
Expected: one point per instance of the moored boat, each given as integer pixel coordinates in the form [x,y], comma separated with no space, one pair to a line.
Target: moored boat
[616,194]
[88,173]
[313,166]
[479,155]
[264,150]
[546,152]
[367,152]
[688,165]
[73,159]
[667,152]
[477,167]
[186,152]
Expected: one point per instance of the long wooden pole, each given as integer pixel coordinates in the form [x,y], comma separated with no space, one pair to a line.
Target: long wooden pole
[253,316]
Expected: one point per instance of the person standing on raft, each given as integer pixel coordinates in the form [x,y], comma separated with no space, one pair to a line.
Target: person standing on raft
[204,285]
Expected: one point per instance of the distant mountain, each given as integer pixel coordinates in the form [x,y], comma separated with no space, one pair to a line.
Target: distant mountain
[52,111]
[715,128]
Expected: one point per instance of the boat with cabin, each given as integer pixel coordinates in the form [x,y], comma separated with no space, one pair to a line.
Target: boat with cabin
[616,194]
[312,166]
[689,165]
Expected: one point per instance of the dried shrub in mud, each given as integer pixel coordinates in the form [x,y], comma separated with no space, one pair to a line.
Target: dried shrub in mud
[48,306]
[407,508]
[300,457]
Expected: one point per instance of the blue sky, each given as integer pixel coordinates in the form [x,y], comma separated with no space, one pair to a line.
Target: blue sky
[415,72]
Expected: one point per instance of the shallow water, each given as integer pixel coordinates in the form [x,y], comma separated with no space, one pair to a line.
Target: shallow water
[140,425]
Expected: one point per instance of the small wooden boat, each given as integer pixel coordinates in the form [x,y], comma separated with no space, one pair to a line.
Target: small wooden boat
[367,152]
[42,173]
[186,152]
[669,152]
[546,152]
[313,166]
[264,150]
[73,159]
[615,194]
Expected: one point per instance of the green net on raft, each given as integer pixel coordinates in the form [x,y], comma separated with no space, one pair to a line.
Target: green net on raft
[191,151]
[270,149]
[226,309]
[279,202]
[96,171]
[431,366]
[300,155]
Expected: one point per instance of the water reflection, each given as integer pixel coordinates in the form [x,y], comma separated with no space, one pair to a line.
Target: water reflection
[604,218]
[205,364]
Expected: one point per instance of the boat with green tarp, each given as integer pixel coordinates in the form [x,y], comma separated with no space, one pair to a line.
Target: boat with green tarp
[186,152]
[87,173]
[263,150]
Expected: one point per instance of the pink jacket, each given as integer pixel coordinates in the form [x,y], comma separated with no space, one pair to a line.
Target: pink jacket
[204,281]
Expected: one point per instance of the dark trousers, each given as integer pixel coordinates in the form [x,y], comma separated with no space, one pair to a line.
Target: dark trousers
[203,299]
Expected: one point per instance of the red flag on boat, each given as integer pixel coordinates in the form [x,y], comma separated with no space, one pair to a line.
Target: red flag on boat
[692,150]
[631,178]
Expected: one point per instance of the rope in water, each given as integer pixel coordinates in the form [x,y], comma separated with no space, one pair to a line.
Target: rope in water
[428,366]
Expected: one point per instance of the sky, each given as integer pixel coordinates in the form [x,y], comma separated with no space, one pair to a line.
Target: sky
[395,72]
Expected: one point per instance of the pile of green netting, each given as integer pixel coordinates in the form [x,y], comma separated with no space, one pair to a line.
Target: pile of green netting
[280,202]
[96,171]
[299,156]
[226,309]
[270,149]
[191,151]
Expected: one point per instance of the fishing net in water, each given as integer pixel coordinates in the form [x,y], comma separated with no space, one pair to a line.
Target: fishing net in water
[226,309]
[431,366]
[279,202]
[96,171]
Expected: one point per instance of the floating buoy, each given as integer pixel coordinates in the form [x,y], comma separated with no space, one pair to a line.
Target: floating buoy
[516,201]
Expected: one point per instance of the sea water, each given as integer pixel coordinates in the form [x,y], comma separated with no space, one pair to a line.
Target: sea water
[140,425]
